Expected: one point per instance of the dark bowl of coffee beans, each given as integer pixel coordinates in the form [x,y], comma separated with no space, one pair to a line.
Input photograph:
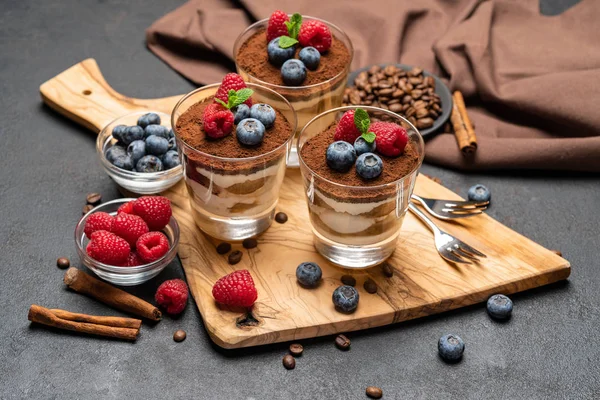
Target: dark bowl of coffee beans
[139,152]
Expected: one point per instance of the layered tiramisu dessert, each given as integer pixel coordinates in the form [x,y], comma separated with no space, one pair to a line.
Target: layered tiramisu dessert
[235,147]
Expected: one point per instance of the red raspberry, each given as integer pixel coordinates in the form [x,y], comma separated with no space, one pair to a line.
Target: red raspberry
[316,34]
[98,221]
[108,248]
[172,295]
[391,138]
[231,81]
[346,130]
[154,210]
[134,260]
[126,208]
[236,289]
[130,227]
[218,121]
[152,245]
[276,25]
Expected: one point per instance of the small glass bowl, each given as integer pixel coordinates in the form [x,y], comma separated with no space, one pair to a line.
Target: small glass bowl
[125,276]
[136,182]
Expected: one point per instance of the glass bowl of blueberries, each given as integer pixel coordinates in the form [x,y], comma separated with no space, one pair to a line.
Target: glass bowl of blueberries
[139,152]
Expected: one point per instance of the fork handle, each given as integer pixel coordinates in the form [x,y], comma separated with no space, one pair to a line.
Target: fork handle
[424,218]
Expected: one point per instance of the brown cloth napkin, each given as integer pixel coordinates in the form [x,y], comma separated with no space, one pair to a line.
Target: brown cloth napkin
[531,82]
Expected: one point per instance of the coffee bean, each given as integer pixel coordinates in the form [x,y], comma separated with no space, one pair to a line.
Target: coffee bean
[387,269]
[87,208]
[424,123]
[355,98]
[557,252]
[94,198]
[235,257]
[179,335]
[250,243]
[289,362]
[348,280]
[410,112]
[422,113]
[406,99]
[386,92]
[390,70]
[412,120]
[384,85]
[398,93]
[415,80]
[63,263]
[342,342]
[370,286]
[281,217]
[296,349]
[415,94]
[374,69]
[223,248]
[374,392]
[415,71]
[396,107]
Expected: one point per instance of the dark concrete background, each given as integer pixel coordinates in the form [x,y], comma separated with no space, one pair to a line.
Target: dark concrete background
[550,348]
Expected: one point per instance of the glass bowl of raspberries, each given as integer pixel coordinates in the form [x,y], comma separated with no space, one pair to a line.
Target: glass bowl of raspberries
[139,152]
[128,241]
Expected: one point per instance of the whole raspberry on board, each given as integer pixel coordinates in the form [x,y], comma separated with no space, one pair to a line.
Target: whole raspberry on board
[276,26]
[98,221]
[152,245]
[134,260]
[126,208]
[236,289]
[154,210]
[346,129]
[172,295]
[108,248]
[391,139]
[231,81]
[130,227]
[316,34]
[218,121]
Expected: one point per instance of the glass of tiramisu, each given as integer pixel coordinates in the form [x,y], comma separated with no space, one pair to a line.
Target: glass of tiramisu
[311,72]
[359,165]
[234,154]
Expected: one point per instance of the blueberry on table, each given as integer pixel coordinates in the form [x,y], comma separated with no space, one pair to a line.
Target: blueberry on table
[250,132]
[499,307]
[240,112]
[156,145]
[264,113]
[340,156]
[345,298]
[149,164]
[361,146]
[123,161]
[293,72]
[309,274]
[170,159]
[118,132]
[136,150]
[277,55]
[479,193]
[131,134]
[156,130]
[148,119]
[369,165]
[114,151]
[310,57]
[451,348]
[172,144]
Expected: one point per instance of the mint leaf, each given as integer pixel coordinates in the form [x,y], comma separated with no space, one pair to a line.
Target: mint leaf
[362,121]
[221,102]
[286,41]
[240,96]
[369,137]
[293,25]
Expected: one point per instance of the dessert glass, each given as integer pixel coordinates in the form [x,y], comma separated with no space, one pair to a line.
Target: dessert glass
[234,198]
[356,226]
[308,101]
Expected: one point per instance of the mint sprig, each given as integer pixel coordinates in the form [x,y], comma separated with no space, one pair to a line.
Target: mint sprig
[234,98]
[286,41]
[293,27]
[362,123]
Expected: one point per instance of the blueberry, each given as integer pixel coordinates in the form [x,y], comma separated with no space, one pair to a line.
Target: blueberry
[118,132]
[264,113]
[345,298]
[156,130]
[499,306]
[123,161]
[148,119]
[240,112]
[170,159]
[361,146]
[156,145]
[277,55]
[451,348]
[132,133]
[136,150]
[172,144]
[340,156]
[369,165]
[171,133]
[310,57]
[293,72]
[115,151]
[149,164]
[479,193]
[250,132]
[308,274]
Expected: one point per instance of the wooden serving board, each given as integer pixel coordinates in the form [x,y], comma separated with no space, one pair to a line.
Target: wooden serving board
[422,284]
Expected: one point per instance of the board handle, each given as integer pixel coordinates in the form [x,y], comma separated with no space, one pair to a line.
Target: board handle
[82,94]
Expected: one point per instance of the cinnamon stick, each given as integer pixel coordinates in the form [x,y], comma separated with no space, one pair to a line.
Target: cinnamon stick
[44,316]
[117,322]
[463,128]
[81,282]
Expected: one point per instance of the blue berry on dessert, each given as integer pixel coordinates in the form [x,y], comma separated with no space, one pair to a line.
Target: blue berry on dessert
[156,145]
[132,133]
[156,130]
[136,150]
[250,132]
[369,165]
[149,163]
[293,72]
[171,133]
[277,54]
[240,112]
[345,298]
[115,151]
[118,131]
[451,348]
[309,274]
[499,307]
[479,193]
[361,146]
[310,57]
[170,159]
[123,161]
[148,119]
[264,113]
[172,144]
[340,156]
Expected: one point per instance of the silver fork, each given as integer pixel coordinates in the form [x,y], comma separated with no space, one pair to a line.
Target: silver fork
[452,209]
[449,247]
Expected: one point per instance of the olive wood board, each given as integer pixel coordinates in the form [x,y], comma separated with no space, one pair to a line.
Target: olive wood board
[422,283]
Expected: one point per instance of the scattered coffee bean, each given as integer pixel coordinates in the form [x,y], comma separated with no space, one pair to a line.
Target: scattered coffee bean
[87,208]
[179,335]
[374,392]
[370,286]
[557,252]
[63,263]
[223,248]
[235,257]
[94,198]
[388,270]
[249,243]
[296,349]
[289,362]
[348,280]
[342,342]
[281,217]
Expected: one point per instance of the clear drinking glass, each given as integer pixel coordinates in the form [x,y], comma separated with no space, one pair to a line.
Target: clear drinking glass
[234,198]
[356,226]
[308,101]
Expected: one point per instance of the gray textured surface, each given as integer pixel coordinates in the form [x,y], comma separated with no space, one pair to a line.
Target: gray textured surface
[550,349]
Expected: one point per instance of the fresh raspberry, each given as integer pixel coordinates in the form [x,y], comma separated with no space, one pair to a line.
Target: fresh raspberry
[231,81]
[276,25]
[98,221]
[151,246]
[130,227]
[126,208]
[134,260]
[236,289]
[316,34]
[172,295]
[346,130]
[218,121]
[155,210]
[391,138]
[108,248]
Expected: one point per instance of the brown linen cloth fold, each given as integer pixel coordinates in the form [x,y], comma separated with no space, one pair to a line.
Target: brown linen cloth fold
[532,82]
